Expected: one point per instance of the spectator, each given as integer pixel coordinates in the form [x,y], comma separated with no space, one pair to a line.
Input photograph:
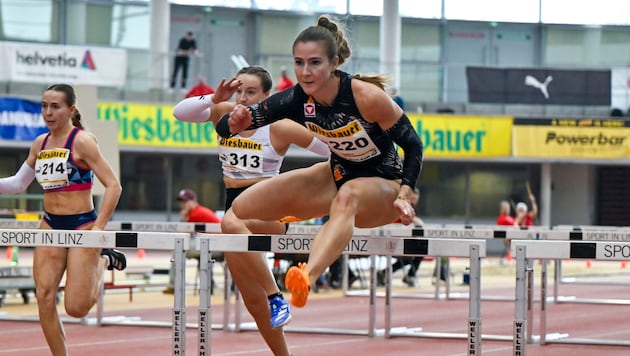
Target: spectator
[524,216]
[201,88]
[505,219]
[186,47]
[285,81]
[191,211]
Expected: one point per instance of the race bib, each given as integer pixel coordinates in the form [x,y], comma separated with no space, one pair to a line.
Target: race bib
[350,142]
[241,154]
[51,168]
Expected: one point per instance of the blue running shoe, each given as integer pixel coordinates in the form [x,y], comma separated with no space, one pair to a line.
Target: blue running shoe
[280,313]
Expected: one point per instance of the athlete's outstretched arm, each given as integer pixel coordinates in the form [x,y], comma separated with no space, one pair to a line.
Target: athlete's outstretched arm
[197,108]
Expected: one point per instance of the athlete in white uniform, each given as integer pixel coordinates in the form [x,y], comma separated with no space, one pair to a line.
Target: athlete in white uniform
[248,158]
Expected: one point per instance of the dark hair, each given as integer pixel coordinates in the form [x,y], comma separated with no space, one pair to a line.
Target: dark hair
[70,100]
[329,33]
[264,76]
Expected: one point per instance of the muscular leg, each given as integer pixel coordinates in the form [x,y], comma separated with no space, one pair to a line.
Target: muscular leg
[249,273]
[362,202]
[84,269]
[49,263]
[256,282]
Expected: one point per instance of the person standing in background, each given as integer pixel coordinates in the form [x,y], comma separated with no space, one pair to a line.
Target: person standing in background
[191,211]
[505,219]
[186,47]
[201,88]
[285,81]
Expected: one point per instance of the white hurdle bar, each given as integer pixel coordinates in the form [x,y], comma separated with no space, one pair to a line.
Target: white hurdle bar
[588,233]
[545,249]
[486,232]
[115,239]
[138,226]
[474,249]
[435,231]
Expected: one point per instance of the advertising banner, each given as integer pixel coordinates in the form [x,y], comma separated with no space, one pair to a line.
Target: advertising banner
[20,119]
[538,86]
[154,125]
[44,63]
[569,138]
[463,136]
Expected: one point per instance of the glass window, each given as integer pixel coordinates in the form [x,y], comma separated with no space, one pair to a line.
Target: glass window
[130,26]
[472,193]
[493,10]
[601,12]
[29,20]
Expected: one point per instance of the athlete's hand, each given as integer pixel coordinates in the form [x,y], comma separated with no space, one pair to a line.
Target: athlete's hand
[404,203]
[240,119]
[226,89]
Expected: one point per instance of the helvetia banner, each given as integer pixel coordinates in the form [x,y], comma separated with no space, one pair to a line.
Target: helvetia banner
[43,63]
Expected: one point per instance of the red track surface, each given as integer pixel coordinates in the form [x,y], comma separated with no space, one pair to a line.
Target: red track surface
[444,316]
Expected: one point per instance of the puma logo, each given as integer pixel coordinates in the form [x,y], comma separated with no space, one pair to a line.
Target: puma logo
[533,82]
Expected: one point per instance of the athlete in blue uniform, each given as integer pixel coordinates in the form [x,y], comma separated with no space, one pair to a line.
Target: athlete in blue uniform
[365,183]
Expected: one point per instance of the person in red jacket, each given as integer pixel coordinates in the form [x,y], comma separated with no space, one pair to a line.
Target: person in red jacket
[201,88]
[191,211]
[285,81]
[504,218]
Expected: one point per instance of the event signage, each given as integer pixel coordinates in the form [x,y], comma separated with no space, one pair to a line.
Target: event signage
[154,126]
[570,138]
[463,136]
[20,119]
[539,86]
[78,65]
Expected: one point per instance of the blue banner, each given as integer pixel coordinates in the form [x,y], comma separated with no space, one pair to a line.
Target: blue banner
[20,119]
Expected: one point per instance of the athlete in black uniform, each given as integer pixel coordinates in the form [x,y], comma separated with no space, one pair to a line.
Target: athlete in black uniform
[364,184]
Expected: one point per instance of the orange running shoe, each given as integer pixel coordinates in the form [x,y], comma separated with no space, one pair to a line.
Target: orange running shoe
[297,282]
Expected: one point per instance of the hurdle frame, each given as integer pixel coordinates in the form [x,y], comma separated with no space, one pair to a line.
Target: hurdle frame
[580,232]
[380,245]
[178,243]
[483,232]
[554,249]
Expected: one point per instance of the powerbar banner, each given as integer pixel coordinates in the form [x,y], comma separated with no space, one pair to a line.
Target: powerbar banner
[538,86]
[569,138]
[154,125]
[463,136]
[20,119]
[48,64]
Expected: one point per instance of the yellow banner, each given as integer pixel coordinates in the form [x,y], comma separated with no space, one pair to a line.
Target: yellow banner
[463,136]
[154,125]
[571,139]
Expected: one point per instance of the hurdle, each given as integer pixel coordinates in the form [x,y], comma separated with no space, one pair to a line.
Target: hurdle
[549,249]
[588,233]
[178,243]
[445,232]
[486,232]
[381,245]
